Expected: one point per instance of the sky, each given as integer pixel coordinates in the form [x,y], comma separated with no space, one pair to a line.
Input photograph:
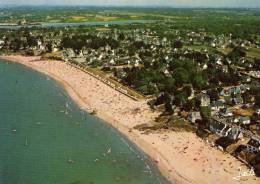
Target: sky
[172,3]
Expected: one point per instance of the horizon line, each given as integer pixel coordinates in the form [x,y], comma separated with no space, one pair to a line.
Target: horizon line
[130,6]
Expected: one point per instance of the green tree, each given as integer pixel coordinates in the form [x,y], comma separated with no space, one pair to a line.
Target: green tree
[187,89]
[213,94]
[205,113]
[181,76]
[189,105]
[198,81]
[168,107]
[177,44]
[180,99]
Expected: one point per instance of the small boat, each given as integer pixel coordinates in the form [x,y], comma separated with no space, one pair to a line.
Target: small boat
[14,130]
[109,151]
[67,107]
[70,161]
[96,160]
[66,111]
[26,141]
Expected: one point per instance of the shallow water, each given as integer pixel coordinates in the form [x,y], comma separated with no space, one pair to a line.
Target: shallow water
[46,139]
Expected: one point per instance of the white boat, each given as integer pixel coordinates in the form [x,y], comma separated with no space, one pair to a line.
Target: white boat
[70,161]
[67,107]
[26,141]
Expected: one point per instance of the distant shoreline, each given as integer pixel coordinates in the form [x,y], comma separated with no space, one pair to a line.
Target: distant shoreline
[15,24]
[181,157]
[155,6]
[74,24]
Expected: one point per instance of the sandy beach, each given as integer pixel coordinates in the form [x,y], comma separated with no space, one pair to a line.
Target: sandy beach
[182,157]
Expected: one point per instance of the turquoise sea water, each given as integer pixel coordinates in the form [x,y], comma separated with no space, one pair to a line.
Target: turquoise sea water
[46,139]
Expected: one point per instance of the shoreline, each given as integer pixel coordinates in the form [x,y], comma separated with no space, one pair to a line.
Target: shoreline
[121,128]
[168,150]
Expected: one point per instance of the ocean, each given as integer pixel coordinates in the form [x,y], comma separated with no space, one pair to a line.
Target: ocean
[45,138]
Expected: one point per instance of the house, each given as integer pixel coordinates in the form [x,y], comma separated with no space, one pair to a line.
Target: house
[244,120]
[245,79]
[216,126]
[2,42]
[80,60]
[193,116]
[166,72]
[225,112]
[204,100]
[217,105]
[234,133]
[205,67]
[225,68]
[258,126]
[236,119]
[235,90]
[253,144]
[223,129]
[238,100]
[108,48]
[225,93]
[245,87]
[219,62]
[192,93]
[112,62]
[257,110]
[137,63]
[228,100]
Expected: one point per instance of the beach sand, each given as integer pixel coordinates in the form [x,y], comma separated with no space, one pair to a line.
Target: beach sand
[182,157]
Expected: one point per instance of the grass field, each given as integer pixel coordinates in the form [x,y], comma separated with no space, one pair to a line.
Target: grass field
[69,14]
[52,56]
[253,52]
[225,51]
[197,47]
[240,22]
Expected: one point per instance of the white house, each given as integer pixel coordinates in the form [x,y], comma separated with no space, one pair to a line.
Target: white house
[2,42]
[112,62]
[193,116]
[253,145]
[244,120]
